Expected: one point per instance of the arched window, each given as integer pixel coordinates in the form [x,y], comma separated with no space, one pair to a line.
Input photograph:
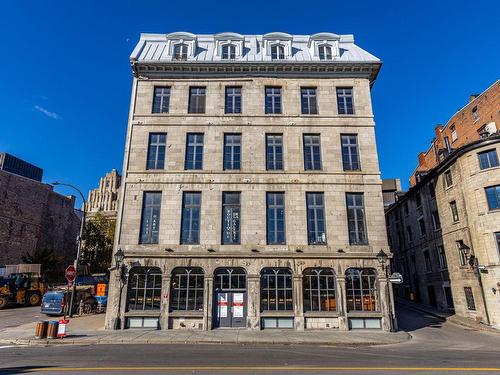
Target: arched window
[228,52]
[277,52]
[325,52]
[144,288]
[230,278]
[361,289]
[186,291]
[276,290]
[319,289]
[180,51]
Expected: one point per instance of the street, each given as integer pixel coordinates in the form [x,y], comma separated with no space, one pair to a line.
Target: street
[15,316]
[436,347]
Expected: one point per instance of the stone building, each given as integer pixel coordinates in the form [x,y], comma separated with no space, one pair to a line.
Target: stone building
[477,118]
[104,199]
[251,193]
[445,234]
[391,189]
[35,218]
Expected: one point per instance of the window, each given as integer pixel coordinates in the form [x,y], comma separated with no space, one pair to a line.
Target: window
[469,297]
[194,151]
[443,264]
[488,159]
[232,151]
[432,189]
[356,219]
[277,52]
[228,52]
[230,278]
[427,259]
[274,152]
[436,223]
[144,288]
[448,179]
[275,203]
[233,100]
[316,234]
[318,286]
[350,152]
[497,239]
[276,291]
[186,289]
[197,97]
[493,197]
[462,255]
[344,101]
[410,233]
[308,101]
[325,52]
[361,289]
[454,135]
[418,200]
[421,224]
[454,211]
[180,51]
[161,99]
[150,221]
[273,100]
[447,144]
[156,151]
[190,226]
[475,114]
[231,212]
[312,152]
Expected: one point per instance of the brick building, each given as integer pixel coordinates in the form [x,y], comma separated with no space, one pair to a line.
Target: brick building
[251,193]
[478,117]
[34,218]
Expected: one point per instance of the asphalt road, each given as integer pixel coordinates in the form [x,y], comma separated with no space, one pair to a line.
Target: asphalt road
[436,348]
[15,316]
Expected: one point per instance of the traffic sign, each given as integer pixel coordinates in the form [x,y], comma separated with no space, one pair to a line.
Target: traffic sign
[396,278]
[70,273]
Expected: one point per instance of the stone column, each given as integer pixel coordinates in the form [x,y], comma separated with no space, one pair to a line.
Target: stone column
[165,301]
[113,300]
[253,302]
[207,303]
[342,303]
[299,321]
[123,298]
[385,302]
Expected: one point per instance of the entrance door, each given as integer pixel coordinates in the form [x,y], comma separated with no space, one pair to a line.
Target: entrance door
[432,296]
[231,310]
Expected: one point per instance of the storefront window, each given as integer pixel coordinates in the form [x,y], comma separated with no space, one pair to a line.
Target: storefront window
[186,292]
[276,291]
[319,289]
[361,289]
[144,288]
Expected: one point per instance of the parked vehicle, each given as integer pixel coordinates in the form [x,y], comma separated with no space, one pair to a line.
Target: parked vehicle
[21,284]
[56,302]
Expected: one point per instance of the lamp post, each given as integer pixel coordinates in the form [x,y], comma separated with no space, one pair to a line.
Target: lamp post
[79,249]
[119,256]
[382,259]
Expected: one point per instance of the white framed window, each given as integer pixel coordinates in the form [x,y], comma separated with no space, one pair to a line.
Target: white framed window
[180,51]
[325,52]
[277,52]
[228,51]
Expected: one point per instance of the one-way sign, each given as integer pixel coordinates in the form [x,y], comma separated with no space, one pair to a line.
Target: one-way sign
[396,278]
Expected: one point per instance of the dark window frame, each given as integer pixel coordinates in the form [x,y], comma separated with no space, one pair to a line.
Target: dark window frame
[186,290]
[189,207]
[469,298]
[454,212]
[319,288]
[274,159]
[197,99]
[161,99]
[316,225]
[233,99]
[272,287]
[312,152]
[345,100]
[232,158]
[273,100]
[156,148]
[144,283]
[350,152]
[488,159]
[356,215]
[308,101]
[362,290]
[272,225]
[231,208]
[493,197]
[195,146]
[150,217]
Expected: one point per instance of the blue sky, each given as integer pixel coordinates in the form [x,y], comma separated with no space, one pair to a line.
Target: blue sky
[66,79]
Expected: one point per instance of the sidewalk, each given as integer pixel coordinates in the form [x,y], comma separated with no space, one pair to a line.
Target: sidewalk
[80,334]
[449,317]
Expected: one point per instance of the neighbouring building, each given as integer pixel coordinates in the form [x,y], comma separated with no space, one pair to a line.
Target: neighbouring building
[479,117]
[391,189]
[104,199]
[9,163]
[445,233]
[251,193]
[34,218]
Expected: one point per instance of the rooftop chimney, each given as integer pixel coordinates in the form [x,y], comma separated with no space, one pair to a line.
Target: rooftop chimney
[472,97]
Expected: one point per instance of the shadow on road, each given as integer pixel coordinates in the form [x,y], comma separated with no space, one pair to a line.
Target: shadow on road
[411,320]
[21,369]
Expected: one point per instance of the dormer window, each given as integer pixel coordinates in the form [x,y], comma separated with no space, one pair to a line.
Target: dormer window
[180,51]
[228,52]
[277,52]
[325,52]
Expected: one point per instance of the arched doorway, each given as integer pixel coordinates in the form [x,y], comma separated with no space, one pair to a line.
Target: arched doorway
[230,298]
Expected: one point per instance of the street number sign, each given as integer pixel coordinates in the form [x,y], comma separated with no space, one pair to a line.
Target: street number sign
[70,273]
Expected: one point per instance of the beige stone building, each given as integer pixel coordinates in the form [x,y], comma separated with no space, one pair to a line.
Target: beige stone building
[104,199]
[251,191]
[445,234]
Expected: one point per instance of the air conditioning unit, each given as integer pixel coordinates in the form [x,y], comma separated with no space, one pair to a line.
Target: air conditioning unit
[490,128]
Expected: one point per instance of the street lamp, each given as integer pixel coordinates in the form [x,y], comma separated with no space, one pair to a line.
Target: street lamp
[79,249]
[382,259]
[119,255]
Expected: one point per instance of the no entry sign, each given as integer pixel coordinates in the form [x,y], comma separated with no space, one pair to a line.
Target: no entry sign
[70,273]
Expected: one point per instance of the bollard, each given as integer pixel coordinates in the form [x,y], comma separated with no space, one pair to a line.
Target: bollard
[52,329]
[41,329]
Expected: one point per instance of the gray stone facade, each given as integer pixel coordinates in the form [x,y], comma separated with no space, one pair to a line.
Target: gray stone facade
[253,254]
[468,237]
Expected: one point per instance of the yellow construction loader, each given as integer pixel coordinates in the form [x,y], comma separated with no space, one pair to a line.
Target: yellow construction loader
[21,284]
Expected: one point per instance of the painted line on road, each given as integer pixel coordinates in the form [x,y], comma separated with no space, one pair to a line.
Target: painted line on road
[265,368]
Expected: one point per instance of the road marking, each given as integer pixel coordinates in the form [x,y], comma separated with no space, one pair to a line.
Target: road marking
[265,368]
[7,346]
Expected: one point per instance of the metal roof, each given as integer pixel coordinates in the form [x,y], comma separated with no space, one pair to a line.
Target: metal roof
[153,48]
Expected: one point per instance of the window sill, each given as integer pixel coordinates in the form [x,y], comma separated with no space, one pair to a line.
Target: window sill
[288,313]
[355,314]
[321,314]
[143,313]
[186,313]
